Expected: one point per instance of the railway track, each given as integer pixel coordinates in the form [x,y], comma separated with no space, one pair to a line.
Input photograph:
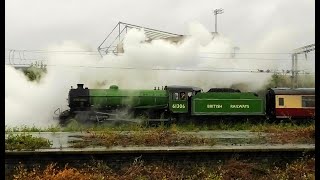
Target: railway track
[117,156]
[242,145]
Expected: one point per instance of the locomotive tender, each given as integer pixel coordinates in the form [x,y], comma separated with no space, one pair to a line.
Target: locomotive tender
[186,102]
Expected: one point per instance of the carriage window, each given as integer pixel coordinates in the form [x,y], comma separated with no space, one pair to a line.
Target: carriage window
[281,102]
[175,96]
[308,101]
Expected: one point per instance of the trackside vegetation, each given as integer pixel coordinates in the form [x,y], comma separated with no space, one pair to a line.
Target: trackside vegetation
[74,126]
[230,169]
[25,142]
[152,137]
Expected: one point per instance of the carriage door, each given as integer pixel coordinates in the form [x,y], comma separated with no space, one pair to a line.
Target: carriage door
[178,101]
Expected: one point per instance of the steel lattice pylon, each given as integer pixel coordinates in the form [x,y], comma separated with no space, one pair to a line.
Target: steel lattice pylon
[295,71]
[113,42]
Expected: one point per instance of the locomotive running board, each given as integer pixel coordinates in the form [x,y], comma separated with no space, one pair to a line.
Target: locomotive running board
[135,120]
[158,120]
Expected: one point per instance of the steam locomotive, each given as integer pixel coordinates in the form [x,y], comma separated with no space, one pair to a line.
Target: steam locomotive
[186,102]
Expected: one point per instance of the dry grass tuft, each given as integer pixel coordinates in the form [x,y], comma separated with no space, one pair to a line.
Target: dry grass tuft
[152,137]
[299,135]
[231,169]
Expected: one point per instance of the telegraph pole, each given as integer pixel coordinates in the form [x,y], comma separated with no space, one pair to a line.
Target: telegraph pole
[216,12]
[294,55]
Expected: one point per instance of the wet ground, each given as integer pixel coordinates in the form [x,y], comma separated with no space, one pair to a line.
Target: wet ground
[225,141]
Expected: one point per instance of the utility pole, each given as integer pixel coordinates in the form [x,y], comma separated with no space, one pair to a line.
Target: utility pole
[216,12]
[233,54]
[294,55]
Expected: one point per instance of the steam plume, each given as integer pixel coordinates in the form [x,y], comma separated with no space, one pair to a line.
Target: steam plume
[31,103]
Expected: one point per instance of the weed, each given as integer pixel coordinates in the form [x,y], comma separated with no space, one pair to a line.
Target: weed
[300,169]
[52,128]
[287,132]
[73,126]
[230,169]
[153,137]
[26,141]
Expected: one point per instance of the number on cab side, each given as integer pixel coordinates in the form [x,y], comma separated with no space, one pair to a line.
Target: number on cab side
[178,106]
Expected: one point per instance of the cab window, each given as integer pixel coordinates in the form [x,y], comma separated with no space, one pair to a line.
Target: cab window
[182,96]
[175,96]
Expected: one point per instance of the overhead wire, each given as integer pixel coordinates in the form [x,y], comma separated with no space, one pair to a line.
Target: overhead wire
[208,52]
[168,69]
[229,70]
[259,59]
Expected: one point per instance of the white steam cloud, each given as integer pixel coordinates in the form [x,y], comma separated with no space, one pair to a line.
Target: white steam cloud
[30,103]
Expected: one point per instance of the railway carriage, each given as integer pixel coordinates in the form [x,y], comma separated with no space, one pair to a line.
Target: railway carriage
[290,103]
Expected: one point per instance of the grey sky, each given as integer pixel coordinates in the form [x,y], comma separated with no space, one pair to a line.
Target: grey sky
[34,24]
[250,24]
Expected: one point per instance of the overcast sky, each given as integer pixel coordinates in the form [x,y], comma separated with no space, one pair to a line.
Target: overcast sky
[36,24]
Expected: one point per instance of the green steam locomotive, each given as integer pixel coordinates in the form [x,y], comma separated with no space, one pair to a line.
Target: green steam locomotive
[166,104]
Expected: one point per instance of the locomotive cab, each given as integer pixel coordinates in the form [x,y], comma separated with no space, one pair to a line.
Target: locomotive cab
[180,98]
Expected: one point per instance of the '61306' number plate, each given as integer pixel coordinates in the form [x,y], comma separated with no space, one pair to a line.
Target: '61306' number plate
[178,106]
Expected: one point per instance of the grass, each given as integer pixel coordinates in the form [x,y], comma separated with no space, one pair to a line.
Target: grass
[173,135]
[53,128]
[25,142]
[275,127]
[230,169]
[296,135]
[153,137]
[74,126]
[283,132]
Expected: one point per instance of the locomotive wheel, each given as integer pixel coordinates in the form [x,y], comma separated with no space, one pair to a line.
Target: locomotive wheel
[142,115]
[183,118]
[83,117]
[65,117]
